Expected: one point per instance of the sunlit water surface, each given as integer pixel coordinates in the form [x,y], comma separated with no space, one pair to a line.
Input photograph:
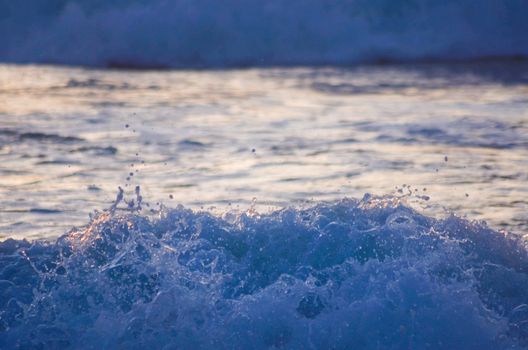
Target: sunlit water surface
[455,136]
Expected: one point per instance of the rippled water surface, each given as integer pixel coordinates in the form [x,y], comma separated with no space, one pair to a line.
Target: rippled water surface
[457,134]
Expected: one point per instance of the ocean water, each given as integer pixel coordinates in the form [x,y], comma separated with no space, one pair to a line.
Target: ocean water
[368,207]
[268,138]
[369,274]
[251,174]
[205,33]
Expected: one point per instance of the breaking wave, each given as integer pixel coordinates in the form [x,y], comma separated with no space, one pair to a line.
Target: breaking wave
[208,33]
[351,274]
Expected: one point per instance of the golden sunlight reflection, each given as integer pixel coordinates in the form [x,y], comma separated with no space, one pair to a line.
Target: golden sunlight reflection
[70,136]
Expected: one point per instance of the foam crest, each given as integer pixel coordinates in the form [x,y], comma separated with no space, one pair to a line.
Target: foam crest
[370,273]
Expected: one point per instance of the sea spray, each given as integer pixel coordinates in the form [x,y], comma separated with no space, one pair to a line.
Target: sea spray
[362,274]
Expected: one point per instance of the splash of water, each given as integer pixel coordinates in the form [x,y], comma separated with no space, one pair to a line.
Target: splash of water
[365,274]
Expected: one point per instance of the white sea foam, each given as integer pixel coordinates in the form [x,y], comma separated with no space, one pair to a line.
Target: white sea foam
[369,274]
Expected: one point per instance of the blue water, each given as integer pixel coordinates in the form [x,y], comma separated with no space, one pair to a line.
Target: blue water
[348,274]
[205,33]
[241,219]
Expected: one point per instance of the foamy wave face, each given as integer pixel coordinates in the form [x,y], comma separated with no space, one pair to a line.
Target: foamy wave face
[204,33]
[366,274]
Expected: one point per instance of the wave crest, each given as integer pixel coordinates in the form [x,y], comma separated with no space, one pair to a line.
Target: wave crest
[365,273]
[205,33]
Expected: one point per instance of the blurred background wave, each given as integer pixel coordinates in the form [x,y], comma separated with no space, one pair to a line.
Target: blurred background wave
[238,33]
